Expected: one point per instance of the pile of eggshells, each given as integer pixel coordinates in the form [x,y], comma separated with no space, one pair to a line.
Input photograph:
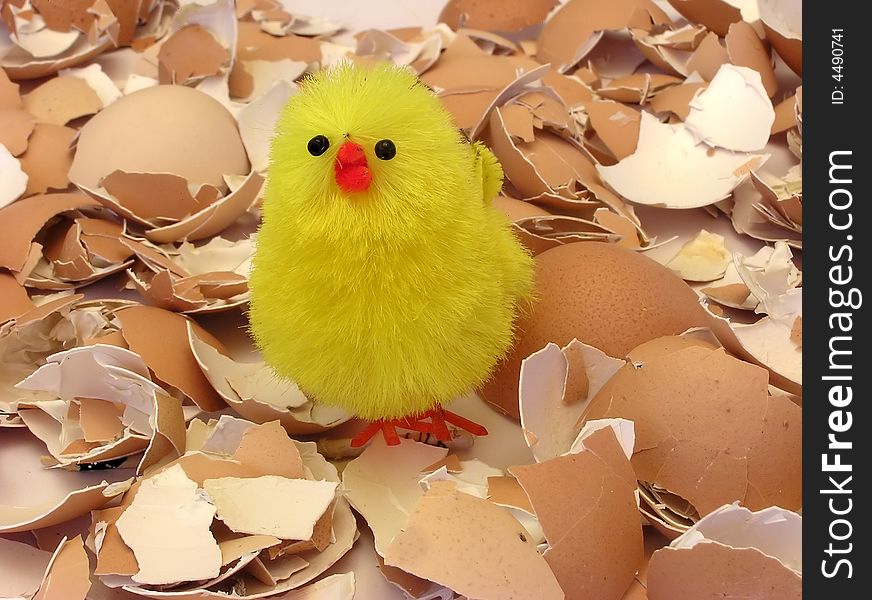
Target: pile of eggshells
[660,403]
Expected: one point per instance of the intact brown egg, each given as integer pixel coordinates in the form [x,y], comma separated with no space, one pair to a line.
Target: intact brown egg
[516,209]
[494,15]
[603,295]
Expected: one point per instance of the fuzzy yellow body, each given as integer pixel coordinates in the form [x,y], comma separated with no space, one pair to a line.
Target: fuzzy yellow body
[392,300]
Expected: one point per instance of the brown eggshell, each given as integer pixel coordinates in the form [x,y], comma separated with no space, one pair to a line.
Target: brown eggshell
[583,496]
[605,296]
[707,431]
[713,571]
[790,50]
[714,14]
[161,129]
[493,15]
[516,209]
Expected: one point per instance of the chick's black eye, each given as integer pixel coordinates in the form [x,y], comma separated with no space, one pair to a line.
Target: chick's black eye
[318,145]
[385,149]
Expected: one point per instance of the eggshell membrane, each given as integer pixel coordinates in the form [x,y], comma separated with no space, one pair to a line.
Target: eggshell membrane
[161,129]
[605,296]
[495,15]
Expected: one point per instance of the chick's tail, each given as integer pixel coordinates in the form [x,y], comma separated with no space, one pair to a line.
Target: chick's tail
[488,171]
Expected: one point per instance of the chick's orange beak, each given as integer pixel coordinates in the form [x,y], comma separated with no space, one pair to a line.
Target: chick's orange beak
[352,171]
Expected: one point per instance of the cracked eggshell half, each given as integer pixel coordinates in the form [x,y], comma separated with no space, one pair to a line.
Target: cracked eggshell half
[707,432]
[671,169]
[555,387]
[635,300]
[764,546]
[165,129]
[734,112]
[255,392]
[64,495]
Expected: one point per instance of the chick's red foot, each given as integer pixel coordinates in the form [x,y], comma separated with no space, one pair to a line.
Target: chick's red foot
[438,426]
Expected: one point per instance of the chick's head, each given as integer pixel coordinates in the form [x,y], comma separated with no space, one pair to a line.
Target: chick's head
[366,151]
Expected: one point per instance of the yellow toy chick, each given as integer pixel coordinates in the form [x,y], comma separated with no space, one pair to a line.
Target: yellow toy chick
[384,281]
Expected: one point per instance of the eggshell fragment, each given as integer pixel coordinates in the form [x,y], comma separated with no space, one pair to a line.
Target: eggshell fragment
[193,279]
[13,179]
[16,125]
[114,557]
[746,50]
[74,504]
[160,337]
[783,196]
[702,562]
[733,112]
[484,15]
[766,343]
[270,505]
[637,88]
[617,125]
[670,169]
[168,507]
[257,122]
[782,21]
[190,53]
[10,97]
[258,395]
[731,442]
[704,258]
[213,218]
[583,496]
[48,158]
[14,300]
[731,291]
[22,568]
[382,485]
[677,99]
[563,42]
[67,576]
[555,387]
[717,15]
[707,58]
[62,99]
[643,300]
[497,562]
[98,81]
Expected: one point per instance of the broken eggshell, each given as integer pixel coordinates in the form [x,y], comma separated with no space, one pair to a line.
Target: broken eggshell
[555,387]
[671,169]
[705,436]
[498,562]
[637,300]
[765,545]
[490,16]
[258,394]
[165,129]
[602,487]
[704,258]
